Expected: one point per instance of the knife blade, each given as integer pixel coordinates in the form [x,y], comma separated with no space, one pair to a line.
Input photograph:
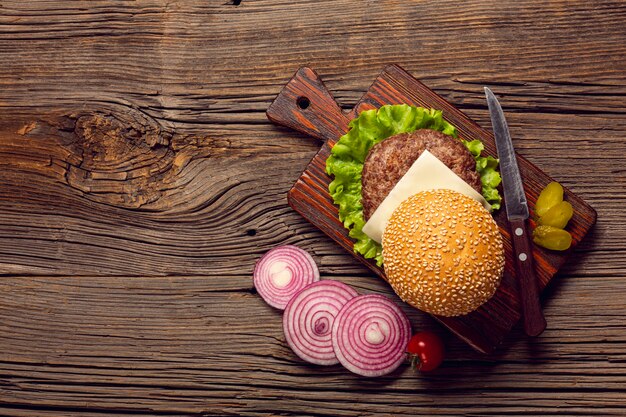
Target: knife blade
[517,213]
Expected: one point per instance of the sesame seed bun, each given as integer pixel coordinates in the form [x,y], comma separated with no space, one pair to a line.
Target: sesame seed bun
[443,253]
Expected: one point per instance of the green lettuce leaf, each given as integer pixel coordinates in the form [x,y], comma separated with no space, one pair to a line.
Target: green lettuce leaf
[345,163]
[487,168]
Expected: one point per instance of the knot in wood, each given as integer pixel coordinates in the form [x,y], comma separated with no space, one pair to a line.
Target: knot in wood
[119,159]
[108,141]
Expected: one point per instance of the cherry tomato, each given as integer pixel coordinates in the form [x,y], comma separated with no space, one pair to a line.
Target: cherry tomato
[425,351]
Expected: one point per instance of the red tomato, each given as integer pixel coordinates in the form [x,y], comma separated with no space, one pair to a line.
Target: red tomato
[425,351]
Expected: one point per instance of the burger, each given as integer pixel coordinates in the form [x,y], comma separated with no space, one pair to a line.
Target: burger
[435,238]
[443,252]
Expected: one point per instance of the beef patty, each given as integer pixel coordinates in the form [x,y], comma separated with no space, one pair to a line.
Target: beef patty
[390,159]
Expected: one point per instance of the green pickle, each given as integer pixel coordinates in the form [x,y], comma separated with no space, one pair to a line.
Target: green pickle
[549,197]
[558,215]
[552,238]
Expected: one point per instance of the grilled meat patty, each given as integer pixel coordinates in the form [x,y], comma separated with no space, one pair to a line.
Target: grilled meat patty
[390,159]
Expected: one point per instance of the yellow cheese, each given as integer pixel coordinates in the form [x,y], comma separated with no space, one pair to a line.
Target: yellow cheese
[426,173]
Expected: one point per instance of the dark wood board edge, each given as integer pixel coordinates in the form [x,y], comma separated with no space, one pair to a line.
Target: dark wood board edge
[296,104]
[395,78]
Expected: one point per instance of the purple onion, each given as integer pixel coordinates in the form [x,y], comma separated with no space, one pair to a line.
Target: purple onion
[309,317]
[282,272]
[370,335]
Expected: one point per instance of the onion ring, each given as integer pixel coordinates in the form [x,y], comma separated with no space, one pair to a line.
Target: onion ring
[370,335]
[282,272]
[309,317]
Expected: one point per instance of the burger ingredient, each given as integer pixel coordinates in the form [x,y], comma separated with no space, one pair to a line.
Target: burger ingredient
[425,351]
[552,238]
[372,126]
[426,173]
[282,272]
[327,322]
[487,169]
[550,196]
[390,160]
[370,335]
[309,317]
[558,215]
[554,213]
[443,253]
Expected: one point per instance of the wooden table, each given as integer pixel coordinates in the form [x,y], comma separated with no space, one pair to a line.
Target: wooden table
[140,181]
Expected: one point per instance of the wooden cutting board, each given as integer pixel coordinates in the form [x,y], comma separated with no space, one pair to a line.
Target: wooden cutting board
[305,105]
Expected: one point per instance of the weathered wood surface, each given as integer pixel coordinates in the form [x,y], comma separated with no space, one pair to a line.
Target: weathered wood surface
[140,180]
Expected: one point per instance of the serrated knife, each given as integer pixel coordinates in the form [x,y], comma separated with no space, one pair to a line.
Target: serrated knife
[517,214]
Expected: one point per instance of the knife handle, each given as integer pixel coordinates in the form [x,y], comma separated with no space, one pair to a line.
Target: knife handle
[534,321]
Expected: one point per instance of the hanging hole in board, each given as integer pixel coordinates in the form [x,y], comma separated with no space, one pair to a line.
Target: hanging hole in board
[236,2]
[303,102]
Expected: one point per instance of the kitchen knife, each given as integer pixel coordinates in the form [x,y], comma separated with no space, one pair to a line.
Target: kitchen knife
[517,214]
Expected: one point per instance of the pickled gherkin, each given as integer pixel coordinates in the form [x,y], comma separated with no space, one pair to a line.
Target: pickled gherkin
[552,216]
[552,238]
[549,197]
[558,215]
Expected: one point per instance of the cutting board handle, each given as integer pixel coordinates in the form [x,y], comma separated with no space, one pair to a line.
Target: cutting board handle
[306,105]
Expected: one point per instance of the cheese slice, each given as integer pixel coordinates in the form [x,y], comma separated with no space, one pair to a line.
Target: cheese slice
[426,173]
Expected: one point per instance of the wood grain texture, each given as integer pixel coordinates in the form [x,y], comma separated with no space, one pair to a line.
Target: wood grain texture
[485,328]
[140,181]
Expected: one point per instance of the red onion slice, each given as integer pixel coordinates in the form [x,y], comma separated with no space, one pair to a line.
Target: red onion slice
[309,317]
[370,335]
[282,272]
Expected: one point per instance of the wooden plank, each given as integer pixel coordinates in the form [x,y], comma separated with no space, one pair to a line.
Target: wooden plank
[320,117]
[206,344]
[206,72]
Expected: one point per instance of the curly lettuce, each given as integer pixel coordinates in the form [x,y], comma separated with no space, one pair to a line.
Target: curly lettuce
[346,160]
